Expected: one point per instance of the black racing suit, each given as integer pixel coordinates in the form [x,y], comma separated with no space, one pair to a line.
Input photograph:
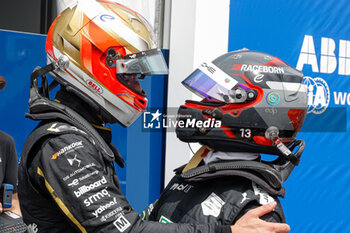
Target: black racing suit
[215,196]
[8,161]
[67,184]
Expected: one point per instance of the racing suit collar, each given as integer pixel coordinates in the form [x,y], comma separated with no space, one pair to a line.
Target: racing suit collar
[78,105]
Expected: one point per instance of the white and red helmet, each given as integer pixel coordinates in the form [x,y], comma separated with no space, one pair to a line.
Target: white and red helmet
[106,48]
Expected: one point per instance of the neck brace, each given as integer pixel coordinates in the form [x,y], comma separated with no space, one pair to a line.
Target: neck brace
[262,174]
[217,156]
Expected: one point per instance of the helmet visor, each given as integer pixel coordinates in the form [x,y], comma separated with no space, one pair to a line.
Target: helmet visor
[209,81]
[150,62]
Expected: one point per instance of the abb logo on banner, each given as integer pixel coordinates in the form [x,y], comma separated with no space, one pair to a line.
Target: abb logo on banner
[328,61]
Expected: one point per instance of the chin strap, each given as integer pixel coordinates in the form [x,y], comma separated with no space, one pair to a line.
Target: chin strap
[197,158]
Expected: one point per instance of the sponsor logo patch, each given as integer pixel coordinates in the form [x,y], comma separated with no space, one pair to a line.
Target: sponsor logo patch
[111,214]
[32,228]
[273,98]
[102,208]
[265,198]
[86,188]
[96,197]
[164,220]
[259,78]
[258,68]
[181,187]
[272,111]
[71,161]
[88,175]
[105,17]
[75,182]
[72,147]
[94,86]
[79,171]
[244,197]
[121,223]
[212,205]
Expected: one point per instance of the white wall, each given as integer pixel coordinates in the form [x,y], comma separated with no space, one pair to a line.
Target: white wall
[198,32]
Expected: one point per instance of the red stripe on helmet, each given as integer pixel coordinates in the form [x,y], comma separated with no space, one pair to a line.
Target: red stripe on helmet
[49,44]
[100,38]
[227,130]
[276,62]
[297,117]
[236,66]
[261,140]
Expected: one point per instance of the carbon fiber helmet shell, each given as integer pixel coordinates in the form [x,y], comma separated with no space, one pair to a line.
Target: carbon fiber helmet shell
[85,34]
[279,100]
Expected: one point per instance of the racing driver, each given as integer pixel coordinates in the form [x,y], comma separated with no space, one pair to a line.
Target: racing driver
[227,176]
[97,51]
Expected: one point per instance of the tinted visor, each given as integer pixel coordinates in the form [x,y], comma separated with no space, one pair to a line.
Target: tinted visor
[209,81]
[148,62]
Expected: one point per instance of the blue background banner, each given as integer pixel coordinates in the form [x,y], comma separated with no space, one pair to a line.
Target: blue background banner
[141,179]
[314,37]
[19,54]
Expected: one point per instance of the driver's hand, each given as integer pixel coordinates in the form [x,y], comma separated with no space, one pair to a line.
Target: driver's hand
[251,222]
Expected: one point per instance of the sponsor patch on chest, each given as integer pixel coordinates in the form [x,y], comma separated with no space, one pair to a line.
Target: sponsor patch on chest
[68,149]
[121,223]
[212,205]
[164,220]
[181,187]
